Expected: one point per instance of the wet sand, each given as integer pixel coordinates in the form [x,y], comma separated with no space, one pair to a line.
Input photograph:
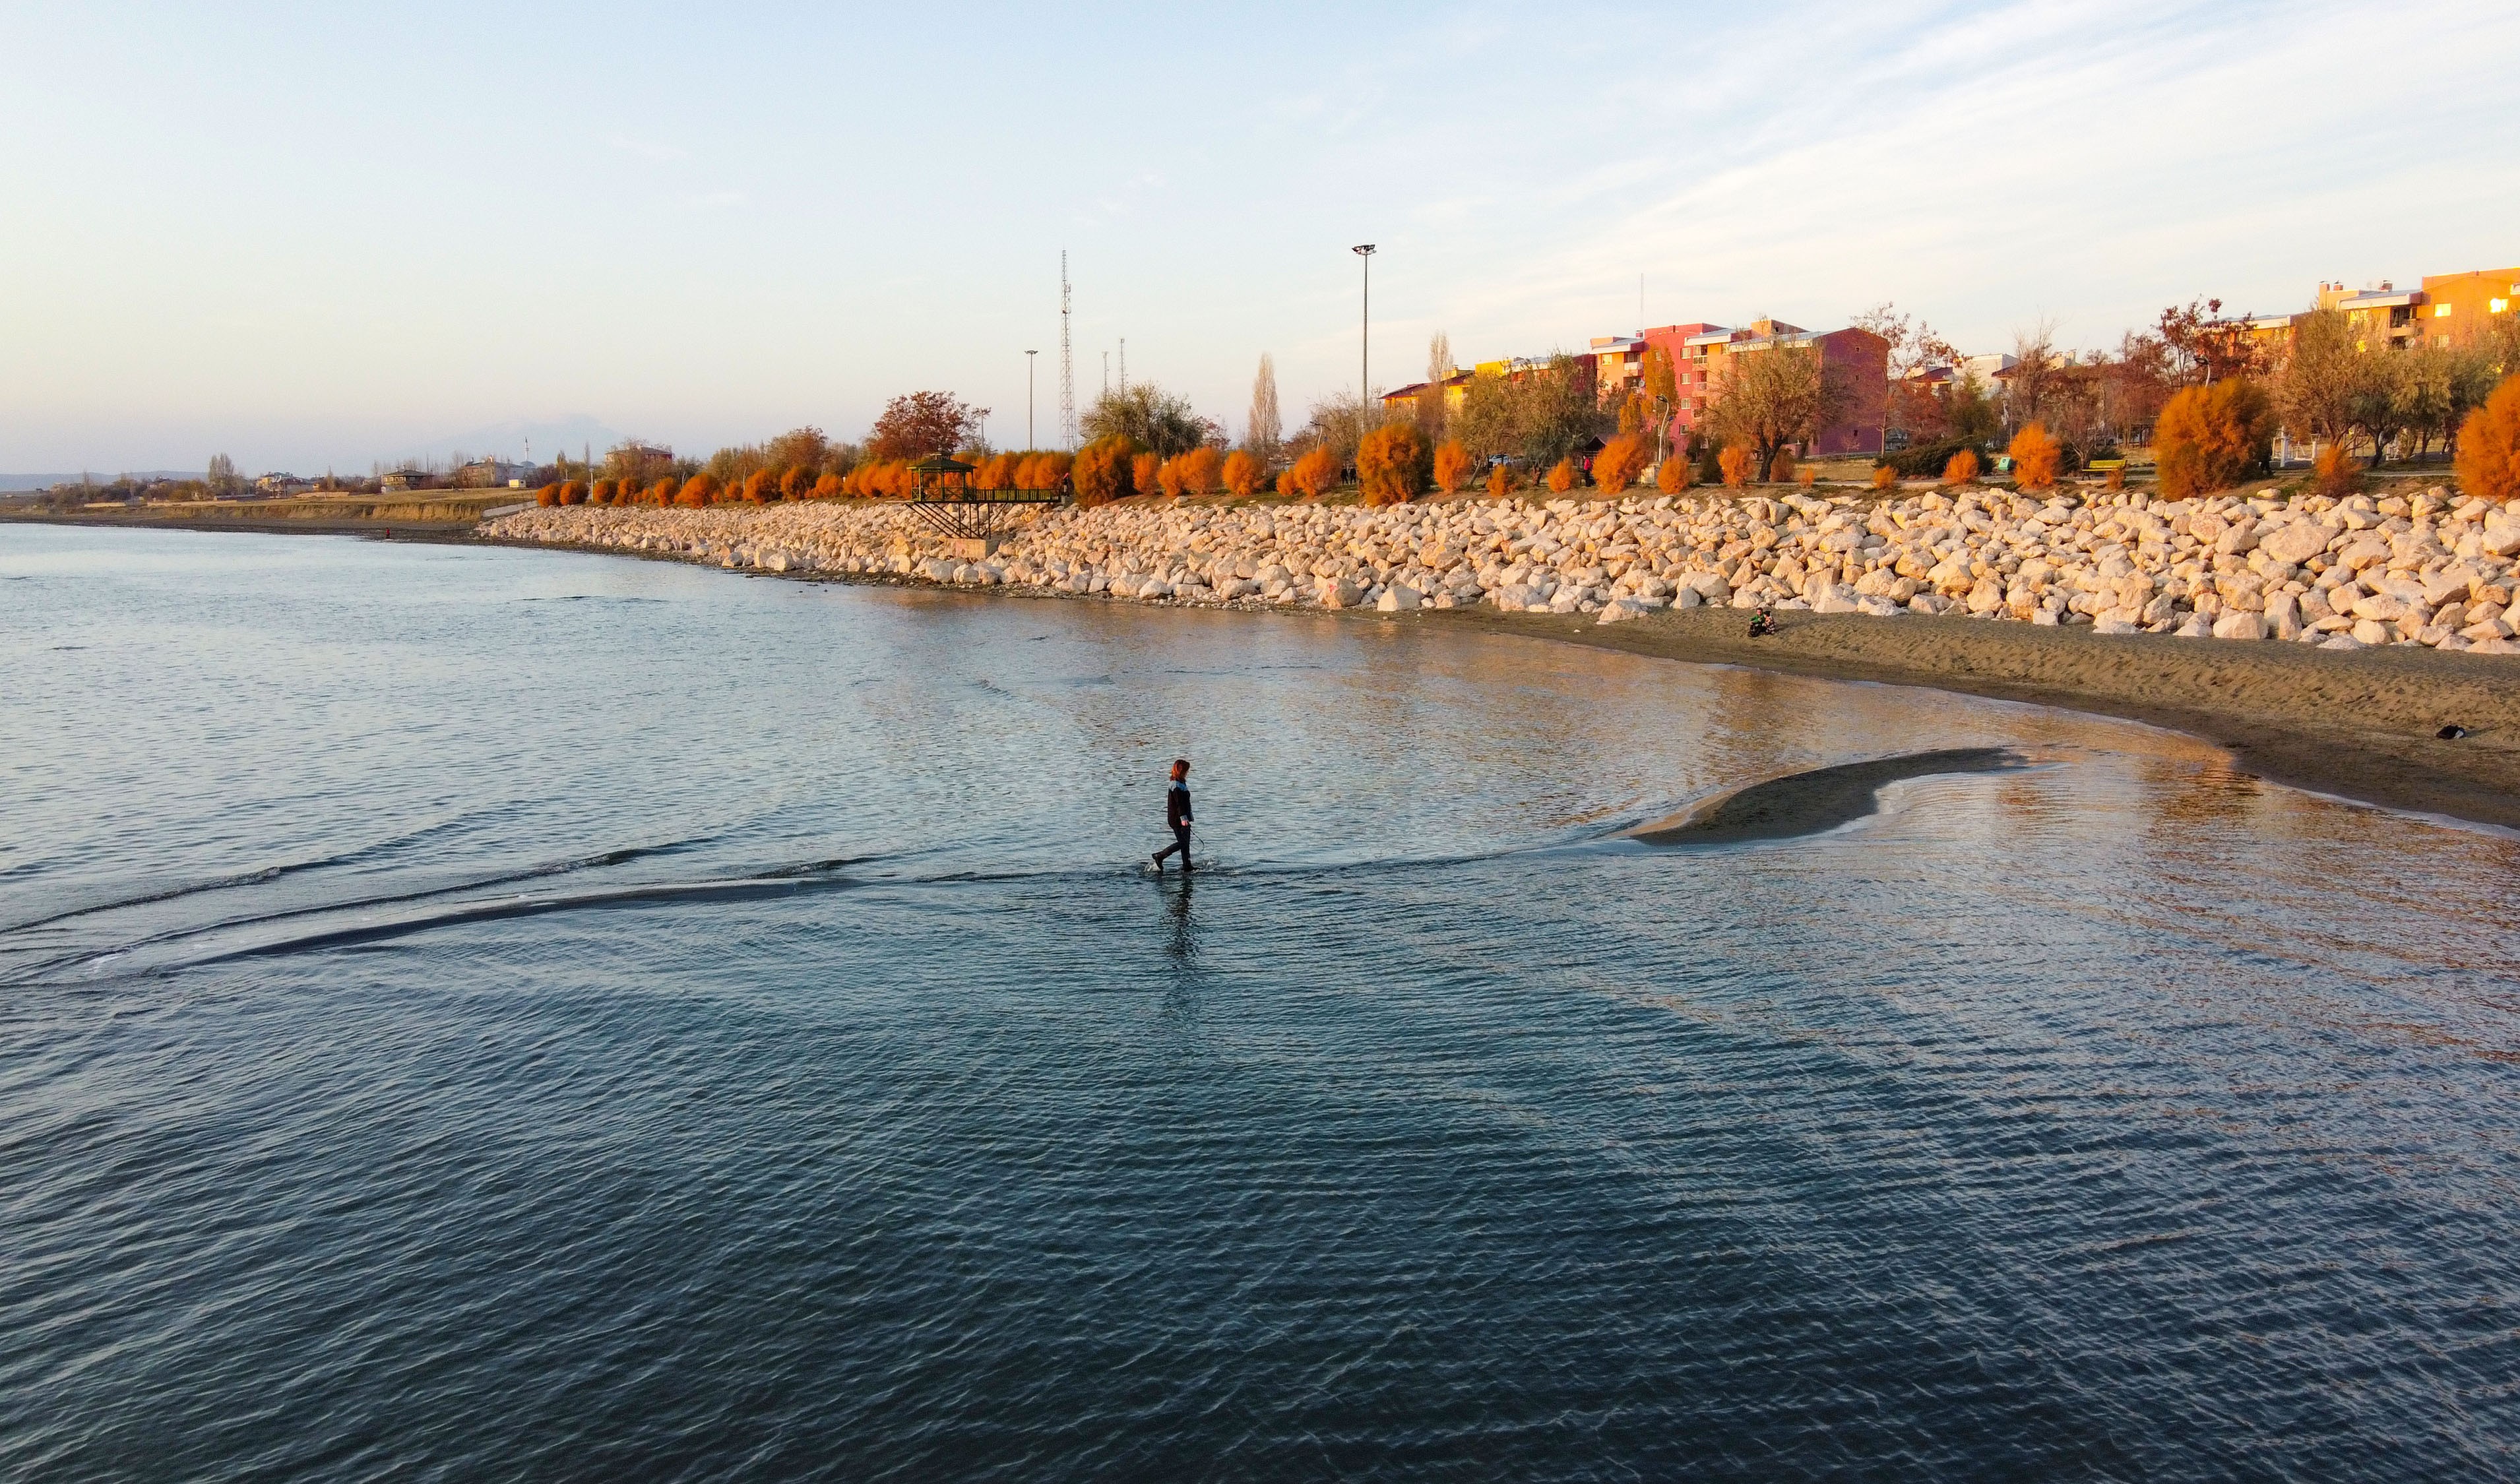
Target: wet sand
[2357,725]
[1806,803]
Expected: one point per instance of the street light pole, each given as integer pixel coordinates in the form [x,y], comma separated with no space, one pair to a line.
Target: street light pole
[1365,335]
[1028,365]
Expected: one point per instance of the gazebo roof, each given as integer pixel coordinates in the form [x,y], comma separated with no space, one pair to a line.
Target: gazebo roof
[940,464]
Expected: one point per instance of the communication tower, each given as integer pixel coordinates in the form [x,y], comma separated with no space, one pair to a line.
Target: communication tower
[1066,361]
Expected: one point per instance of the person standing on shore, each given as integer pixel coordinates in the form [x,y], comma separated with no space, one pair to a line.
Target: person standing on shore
[1177,814]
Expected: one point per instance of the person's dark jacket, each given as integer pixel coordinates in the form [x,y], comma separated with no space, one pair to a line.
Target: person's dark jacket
[1177,806]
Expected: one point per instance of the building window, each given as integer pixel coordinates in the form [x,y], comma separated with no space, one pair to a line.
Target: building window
[2496,307]
[2441,311]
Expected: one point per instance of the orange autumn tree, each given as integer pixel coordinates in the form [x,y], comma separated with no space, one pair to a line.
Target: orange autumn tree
[1039,471]
[1199,468]
[827,487]
[1310,475]
[665,490]
[549,494]
[1562,478]
[2212,437]
[996,473]
[1885,477]
[573,493]
[1501,480]
[1451,465]
[1963,467]
[1168,478]
[1621,461]
[1391,464]
[1101,471]
[1674,476]
[1143,471]
[2035,457]
[1734,461]
[2335,471]
[601,492]
[698,490]
[1242,474]
[798,483]
[2489,446]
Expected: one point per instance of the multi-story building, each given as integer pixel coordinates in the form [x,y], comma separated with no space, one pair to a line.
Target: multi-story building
[1704,355]
[1453,387]
[2381,319]
[2449,309]
[2456,307]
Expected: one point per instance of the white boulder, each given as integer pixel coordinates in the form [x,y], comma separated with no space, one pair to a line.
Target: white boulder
[2296,543]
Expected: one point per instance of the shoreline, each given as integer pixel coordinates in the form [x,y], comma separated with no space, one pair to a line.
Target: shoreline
[2357,725]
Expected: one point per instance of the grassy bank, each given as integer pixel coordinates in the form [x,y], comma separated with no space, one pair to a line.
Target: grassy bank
[447,511]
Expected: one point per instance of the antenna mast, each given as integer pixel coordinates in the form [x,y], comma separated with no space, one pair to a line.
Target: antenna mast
[1066,363]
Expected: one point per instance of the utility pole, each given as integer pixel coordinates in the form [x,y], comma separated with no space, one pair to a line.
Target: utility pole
[1365,338]
[1124,365]
[1029,363]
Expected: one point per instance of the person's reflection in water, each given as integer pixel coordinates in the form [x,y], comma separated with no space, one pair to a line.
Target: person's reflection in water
[1183,941]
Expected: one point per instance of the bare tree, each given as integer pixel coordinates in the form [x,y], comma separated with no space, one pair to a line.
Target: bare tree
[1263,434]
[1432,411]
[2036,365]
[1777,397]
[1915,347]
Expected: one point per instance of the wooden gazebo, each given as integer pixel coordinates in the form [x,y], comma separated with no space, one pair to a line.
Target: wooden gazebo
[973,518]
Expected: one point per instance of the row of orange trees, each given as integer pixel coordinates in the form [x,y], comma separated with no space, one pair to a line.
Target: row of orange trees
[2207,438]
[882,476]
[2220,437]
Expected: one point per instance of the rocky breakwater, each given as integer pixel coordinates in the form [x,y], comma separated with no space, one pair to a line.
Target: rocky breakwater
[2426,568]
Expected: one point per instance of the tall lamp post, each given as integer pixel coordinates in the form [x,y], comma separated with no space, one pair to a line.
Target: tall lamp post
[1365,335]
[1028,365]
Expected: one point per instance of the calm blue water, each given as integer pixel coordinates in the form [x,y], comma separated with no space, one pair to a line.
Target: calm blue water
[506,1015]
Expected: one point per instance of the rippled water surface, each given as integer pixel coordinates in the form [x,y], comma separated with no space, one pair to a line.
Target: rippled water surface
[507,1015]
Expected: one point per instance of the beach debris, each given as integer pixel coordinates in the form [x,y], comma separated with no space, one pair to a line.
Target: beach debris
[2451,733]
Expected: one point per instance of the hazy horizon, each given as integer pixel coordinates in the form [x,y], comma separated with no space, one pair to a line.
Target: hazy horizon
[316,241]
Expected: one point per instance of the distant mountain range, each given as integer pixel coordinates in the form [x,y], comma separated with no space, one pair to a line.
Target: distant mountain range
[573,434]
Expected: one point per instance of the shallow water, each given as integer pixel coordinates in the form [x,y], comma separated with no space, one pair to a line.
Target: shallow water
[496,1013]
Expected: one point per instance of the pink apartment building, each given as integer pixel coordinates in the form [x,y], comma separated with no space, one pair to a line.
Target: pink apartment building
[1703,354]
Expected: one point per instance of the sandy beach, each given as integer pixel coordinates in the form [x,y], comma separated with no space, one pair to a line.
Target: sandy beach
[2357,724]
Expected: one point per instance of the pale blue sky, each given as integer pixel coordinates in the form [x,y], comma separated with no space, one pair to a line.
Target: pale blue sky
[319,235]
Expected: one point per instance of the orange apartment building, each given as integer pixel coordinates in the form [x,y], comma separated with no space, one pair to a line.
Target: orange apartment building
[2449,310]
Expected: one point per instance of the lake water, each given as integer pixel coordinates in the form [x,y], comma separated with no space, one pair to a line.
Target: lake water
[510,1015]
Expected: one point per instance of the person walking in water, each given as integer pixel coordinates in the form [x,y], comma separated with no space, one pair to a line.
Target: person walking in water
[1177,814]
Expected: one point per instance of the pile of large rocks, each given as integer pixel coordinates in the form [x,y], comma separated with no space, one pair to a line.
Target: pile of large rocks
[2425,567]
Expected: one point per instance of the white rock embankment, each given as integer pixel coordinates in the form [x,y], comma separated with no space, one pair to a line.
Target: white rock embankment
[2429,568]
